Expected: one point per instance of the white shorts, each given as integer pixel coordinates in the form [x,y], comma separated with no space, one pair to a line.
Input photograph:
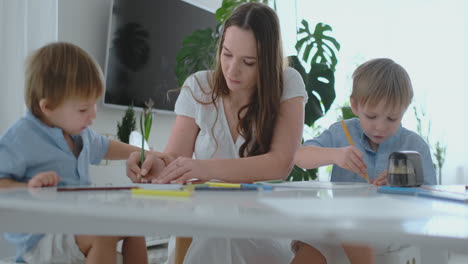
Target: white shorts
[55,249]
[234,251]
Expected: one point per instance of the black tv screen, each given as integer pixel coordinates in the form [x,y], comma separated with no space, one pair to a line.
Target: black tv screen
[144,38]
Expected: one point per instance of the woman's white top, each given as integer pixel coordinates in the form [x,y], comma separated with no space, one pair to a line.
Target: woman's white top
[225,250]
[205,115]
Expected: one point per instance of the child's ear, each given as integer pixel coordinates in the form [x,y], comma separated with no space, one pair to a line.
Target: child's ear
[354,106]
[45,107]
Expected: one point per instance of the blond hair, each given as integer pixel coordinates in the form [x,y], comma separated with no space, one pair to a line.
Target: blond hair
[58,72]
[382,79]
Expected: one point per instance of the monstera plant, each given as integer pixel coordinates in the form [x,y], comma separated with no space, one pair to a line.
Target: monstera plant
[316,50]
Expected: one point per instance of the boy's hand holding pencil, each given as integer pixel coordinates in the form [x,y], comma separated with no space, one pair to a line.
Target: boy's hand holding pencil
[352,158]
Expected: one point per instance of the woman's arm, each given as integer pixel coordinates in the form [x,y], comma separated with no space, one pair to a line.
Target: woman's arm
[275,164]
[183,135]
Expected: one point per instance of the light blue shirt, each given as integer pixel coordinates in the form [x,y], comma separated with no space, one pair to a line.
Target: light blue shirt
[30,147]
[376,161]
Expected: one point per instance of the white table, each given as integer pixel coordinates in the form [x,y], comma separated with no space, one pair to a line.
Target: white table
[356,213]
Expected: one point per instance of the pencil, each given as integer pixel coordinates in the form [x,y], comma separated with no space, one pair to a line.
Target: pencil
[223,184]
[95,188]
[182,193]
[350,140]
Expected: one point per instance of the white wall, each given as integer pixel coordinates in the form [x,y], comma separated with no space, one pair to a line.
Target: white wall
[24,26]
[85,23]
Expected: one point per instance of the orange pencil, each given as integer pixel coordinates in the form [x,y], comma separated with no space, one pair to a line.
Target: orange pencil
[350,140]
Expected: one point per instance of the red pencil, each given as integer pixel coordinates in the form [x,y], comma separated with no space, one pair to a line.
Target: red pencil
[97,188]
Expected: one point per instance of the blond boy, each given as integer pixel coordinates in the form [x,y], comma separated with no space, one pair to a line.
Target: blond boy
[381,94]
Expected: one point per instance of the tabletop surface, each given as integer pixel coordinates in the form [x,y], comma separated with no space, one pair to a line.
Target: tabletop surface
[352,212]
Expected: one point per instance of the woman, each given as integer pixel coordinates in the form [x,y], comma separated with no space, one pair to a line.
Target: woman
[241,122]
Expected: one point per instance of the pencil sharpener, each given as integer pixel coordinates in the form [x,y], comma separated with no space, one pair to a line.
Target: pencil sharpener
[405,169]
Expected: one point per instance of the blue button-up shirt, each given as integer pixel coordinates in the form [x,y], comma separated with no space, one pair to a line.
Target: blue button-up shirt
[376,161]
[30,147]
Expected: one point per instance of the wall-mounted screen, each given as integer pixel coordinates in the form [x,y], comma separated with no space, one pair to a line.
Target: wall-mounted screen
[143,41]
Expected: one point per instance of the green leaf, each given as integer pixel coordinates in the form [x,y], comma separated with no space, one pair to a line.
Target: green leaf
[299,174]
[318,39]
[228,6]
[148,123]
[197,53]
[316,107]
[142,156]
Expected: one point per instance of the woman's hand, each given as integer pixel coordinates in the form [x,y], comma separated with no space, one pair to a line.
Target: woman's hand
[154,163]
[44,179]
[184,169]
[350,158]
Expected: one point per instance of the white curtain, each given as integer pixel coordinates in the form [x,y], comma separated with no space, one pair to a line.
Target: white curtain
[25,25]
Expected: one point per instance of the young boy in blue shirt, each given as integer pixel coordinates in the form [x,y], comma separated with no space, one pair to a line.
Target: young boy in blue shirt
[381,94]
[52,145]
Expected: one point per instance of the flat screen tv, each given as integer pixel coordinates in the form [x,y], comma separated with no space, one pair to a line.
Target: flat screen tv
[143,40]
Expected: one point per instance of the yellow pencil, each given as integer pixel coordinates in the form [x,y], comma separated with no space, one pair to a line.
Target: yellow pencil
[181,193]
[350,140]
[223,184]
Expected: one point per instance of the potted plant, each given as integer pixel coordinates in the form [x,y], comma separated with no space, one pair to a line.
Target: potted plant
[127,125]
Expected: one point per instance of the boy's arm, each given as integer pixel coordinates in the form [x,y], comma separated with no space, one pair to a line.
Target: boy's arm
[9,183]
[119,150]
[349,158]
[311,157]
[43,179]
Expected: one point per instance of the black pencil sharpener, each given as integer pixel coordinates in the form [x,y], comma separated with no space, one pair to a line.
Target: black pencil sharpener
[405,169]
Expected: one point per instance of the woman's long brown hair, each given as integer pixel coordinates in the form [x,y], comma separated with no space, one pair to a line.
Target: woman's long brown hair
[258,123]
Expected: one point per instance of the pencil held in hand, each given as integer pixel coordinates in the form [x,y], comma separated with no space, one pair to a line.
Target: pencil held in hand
[350,140]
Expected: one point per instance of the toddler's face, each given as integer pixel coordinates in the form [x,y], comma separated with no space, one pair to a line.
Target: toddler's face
[73,115]
[378,123]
